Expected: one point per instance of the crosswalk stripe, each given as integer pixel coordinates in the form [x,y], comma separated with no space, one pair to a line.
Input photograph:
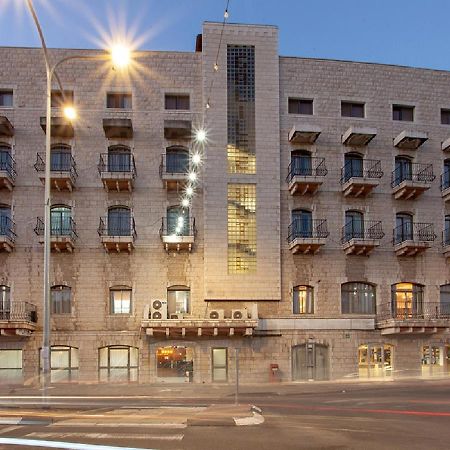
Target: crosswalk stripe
[121,424]
[156,437]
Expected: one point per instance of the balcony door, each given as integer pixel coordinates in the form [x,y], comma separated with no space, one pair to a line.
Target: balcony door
[5,302]
[119,159]
[301,163]
[404,227]
[403,169]
[447,230]
[5,220]
[5,157]
[303,223]
[119,221]
[60,158]
[354,225]
[60,220]
[353,166]
[407,301]
[177,160]
[446,174]
[177,221]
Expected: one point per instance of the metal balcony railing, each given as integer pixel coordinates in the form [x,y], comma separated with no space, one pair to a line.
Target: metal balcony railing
[307,229]
[8,164]
[60,162]
[7,227]
[173,227]
[117,226]
[413,310]
[174,163]
[306,167]
[58,228]
[445,180]
[18,311]
[418,232]
[365,168]
[367,229]
[412,172]
[117,162]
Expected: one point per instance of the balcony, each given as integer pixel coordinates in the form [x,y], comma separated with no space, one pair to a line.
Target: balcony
[117,233]
[7,171]
[6,128]
[307,237]
[445,186]
[358,136]
[413,318]
[361,178]
[7,234]
[408,182]
[63,172]
[17,319]
[173,170]
[360,238]
[305,175]
[60,127]
[117,171]
[446,145]
[62,234]
[178,237]
[411,239]
[177,129]
[304,134]
[118,128]
[410,140]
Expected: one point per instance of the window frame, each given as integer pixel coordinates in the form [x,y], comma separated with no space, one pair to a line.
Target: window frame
[301,101]
[107,369]
[119,99]
[178,98]
[214,366]
[445,112]
[400,110]
[179,288]
[354,305]
[6,91]
[353,105]
[120,289]
[308,307]
[62,302]
[71,370]
[18,379]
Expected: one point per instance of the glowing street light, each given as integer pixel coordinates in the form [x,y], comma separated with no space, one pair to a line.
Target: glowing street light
[196,158]
[185,203]
[192,176]
[200,135]
[189,191]
[120,56]
[70,112]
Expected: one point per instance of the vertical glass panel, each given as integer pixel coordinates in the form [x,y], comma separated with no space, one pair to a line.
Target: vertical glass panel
[103,356]
[118,357]
[10,359]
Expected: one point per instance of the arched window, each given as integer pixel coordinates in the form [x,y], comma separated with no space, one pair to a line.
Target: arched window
[353,166]
[403,227]
[63,364]
[5,220]
[354,225]
[5,302]
[301,163]
[119,363]
[403,169]
[61,158]
[119,221]
[178,221]
[61,220]
[303,300]
[407,300]
[119,158]
[120,299]
[178,300]
[447,230]
[302,223]
[445,300]
[177,159]
[358,298]
[61,299]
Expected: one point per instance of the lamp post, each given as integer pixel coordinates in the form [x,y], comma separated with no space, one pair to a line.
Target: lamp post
[120,57]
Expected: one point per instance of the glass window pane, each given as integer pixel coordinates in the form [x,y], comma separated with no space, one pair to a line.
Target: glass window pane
[220,374]
[219,357]
[134,356]
[10,359]
[103,357]
[74,357]
[103,375]
[118,374]
[60,358]
[118,357]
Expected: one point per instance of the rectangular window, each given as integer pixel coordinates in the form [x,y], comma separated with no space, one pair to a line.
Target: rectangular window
[11,367]
[57,99]
[241,144]
[118,100]
[63,364]
[303,300]
[403,113]
[6,98]
[445,116]
[178,301]
[351,109]
[219,364]
[300,106]
[177,101]
[61,300]
[241,228]
[120,301]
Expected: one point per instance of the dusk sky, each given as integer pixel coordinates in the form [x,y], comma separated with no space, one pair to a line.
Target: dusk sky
[405,32]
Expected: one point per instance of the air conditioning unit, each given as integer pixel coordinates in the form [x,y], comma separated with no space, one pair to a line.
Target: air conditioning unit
[158,309]
[177,316]
[238,314]
[216,314]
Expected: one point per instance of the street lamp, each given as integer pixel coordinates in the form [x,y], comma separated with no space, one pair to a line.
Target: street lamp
[120,57]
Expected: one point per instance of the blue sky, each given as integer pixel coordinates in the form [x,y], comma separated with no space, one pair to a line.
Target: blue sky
[406,32]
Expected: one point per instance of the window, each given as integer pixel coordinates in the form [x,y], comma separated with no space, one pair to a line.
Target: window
[63,364]
[357,298]
[5,302]
[177,101]
[403,227]
[354,225]
[219,364]
[119,221]
[445,116]
[177,159]
[11,366]
[353,166]
[61,299]
[351,109]
[178,221]
[118,363]
[5,157]
[403,170]
[446,175]
[120,300]
[57,99]
[118,100]
[119,159]
[300,106]
[404,113]
[445,299]
[61,220]
[61,158]
[407,300]
[447,230]
[5,220]
[301,163]
[303,300]
[178,300]
[6,98]
[302,223]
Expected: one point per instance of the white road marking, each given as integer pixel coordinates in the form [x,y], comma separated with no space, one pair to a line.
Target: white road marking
[117,424]
[8,429]
[10,420]
[255,419]
[155,437]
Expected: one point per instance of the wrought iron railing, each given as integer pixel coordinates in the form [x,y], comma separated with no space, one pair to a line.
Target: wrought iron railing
[117,226]
[7,228]
[445,180]
[8,164]
[409,231]
[175,227]
[117,162]
[367,229]
[413,310]
[18,311]
[60,162]
[174,163]
[412,172]
[366,168]
[307,229]
[306,167]
[64,227]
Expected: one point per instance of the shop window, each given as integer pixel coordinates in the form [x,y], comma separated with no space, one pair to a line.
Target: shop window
[11,367]
[375,360]
[118,363]
[219,364]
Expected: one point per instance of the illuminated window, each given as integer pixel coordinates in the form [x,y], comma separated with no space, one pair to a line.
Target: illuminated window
[357,298]
[120,299]
[407,300]
[241,108]
[303,300]
[178,300]
[241,228]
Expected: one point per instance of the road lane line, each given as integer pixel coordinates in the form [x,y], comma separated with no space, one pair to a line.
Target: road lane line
[68,435]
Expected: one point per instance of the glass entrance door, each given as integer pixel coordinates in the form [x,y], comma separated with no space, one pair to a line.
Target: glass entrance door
[375,360]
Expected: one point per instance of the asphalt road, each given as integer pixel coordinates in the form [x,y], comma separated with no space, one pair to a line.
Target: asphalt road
[412,415]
